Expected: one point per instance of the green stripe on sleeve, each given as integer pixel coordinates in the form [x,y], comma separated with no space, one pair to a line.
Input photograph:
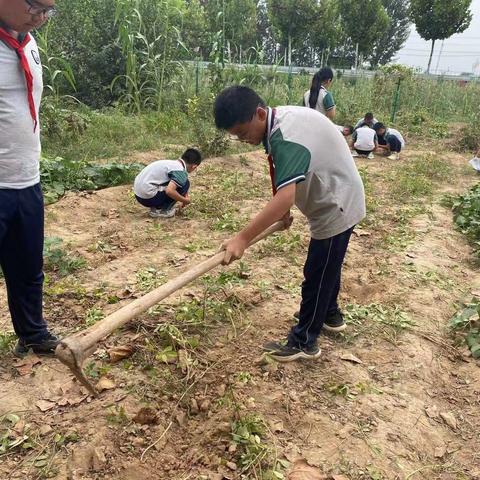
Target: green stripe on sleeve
[328,101]
[180,177]
[291,160]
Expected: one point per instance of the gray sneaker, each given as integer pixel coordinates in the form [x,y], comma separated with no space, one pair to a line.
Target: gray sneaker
[162,213]
[333,323]
[46,346]
[289,352]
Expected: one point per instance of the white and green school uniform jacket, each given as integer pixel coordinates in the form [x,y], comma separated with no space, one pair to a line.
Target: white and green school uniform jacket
[19,141]
[307,149]
[325,100]
[395,133]
[155,177]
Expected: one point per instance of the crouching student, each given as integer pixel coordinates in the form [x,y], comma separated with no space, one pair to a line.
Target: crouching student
[390,141]
[364,141]
[311,167]
[345,130]
[163,183]
[368,120]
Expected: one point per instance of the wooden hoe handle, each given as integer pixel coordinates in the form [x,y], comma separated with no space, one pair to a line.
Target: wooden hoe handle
[74,349]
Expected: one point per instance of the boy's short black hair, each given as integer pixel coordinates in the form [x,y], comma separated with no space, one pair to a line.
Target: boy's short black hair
[378,126]
[368,116]
[192,156]
[235,105]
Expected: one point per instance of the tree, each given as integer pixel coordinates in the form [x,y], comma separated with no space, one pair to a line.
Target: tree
[364,21]
[388,44]
[440,19]
[292,21]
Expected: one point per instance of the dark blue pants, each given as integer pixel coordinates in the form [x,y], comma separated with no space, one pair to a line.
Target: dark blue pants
[21,259]
[392,141]
[161,199]
[322,274]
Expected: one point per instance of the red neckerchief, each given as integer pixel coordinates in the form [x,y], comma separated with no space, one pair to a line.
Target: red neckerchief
[270,157]
[13,43]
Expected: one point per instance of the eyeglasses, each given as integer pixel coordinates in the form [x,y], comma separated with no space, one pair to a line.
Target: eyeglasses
[35,9]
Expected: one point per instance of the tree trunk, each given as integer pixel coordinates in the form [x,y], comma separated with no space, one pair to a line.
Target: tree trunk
[431,54]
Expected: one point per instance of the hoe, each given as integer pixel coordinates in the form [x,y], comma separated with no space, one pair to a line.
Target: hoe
[74,349]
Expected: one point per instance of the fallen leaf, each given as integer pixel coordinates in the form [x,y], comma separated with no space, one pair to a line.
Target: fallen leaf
[25,365]
[302,471]
[45,405]
[183,361]
[350,358]
[146,416]
[119,353]
[361,233]
[105,384]
[449,419]
[432,412]
[440,452]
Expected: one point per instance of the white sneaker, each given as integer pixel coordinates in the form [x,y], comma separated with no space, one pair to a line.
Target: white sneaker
[162,213]
[370,155]
[394,156]
[355,154]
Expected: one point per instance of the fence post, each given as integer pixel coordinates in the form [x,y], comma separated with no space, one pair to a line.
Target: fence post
[395,101]
[197,79]
[289,83]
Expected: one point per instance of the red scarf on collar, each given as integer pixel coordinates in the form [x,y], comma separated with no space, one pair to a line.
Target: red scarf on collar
[271,166]
[13,43]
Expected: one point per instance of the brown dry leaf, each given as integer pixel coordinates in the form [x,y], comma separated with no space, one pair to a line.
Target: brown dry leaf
[45,405]
[302,471]
[119,353]
[105,384]
[183,361]
[449,419]
[432,411]
[146,416]
[361,233]
[348,357]
[25,365]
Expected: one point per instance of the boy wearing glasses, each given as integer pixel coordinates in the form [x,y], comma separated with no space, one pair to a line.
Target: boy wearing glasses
[21,200]
[311,166]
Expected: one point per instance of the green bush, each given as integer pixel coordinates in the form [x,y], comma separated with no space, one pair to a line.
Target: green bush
[466,214]
[59,175]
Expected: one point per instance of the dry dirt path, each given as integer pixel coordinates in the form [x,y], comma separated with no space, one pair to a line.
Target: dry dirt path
[393,398]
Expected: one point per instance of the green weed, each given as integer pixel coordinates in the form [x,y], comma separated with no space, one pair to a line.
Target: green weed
[466,215]
[256,458]
[149,278]
[58,260]
[377,320]
[7,340]
[467,322]
[92,316]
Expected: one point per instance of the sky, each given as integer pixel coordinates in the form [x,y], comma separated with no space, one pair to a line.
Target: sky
[459,54]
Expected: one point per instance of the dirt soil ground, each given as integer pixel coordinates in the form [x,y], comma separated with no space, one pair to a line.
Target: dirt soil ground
[187,393]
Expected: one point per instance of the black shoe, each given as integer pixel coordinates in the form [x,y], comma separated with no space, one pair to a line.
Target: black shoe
[289,352]
[333,323]
[46,346]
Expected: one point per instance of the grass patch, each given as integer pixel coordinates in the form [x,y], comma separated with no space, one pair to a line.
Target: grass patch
[418,177]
